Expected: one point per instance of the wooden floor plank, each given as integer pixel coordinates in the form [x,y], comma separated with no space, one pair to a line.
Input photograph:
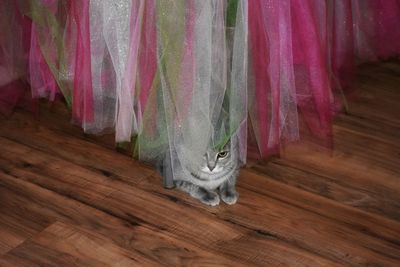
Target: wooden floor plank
[64,245]
[355,218]
[384,237]
[122,202]
[361,171]
[367,199]
[377,98]
[129,233]
[138,197]
[379,132]
[24,130]
[271,251]
[319,235]
[69,199]
[127,202]
[14,230]
[53,173]
[350,175]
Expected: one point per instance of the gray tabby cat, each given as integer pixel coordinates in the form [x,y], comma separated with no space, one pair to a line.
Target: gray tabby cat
[214,179]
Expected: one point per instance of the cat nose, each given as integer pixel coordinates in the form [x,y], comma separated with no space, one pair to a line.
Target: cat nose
[211,168]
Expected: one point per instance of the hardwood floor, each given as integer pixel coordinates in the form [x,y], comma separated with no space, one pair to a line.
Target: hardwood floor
[70,199]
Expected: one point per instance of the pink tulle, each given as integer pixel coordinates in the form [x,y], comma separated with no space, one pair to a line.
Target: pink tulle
[292,58]
[310,66]
[302,56]
[41,80]
[41,77]
[82,108]
[147,61]
[388,21]
[14,51]
[125,112]
[340,28]
[148,53]
[376,25]
[259,38]
[314,58]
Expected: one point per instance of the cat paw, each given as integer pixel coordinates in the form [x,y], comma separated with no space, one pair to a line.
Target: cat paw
[229,197]
[211,199]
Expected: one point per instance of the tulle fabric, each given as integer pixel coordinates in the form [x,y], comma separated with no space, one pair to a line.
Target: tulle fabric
[376,29]
[59,53]
[176,77]
[291,73]
[199,96]
[14,50]
[303,55]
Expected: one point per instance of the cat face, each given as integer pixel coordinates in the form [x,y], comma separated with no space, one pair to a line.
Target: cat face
[214,161]
[217,164]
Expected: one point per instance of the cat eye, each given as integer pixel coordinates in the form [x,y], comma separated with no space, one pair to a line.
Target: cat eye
[222,154]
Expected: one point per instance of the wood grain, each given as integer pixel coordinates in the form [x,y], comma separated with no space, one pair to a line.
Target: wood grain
[67,245]
[127,202]
[70,199]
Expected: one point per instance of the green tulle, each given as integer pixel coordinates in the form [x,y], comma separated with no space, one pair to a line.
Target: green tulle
[51,27]
[231,13]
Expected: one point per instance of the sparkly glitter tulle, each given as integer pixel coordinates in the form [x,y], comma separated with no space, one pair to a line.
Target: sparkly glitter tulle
[177,76]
